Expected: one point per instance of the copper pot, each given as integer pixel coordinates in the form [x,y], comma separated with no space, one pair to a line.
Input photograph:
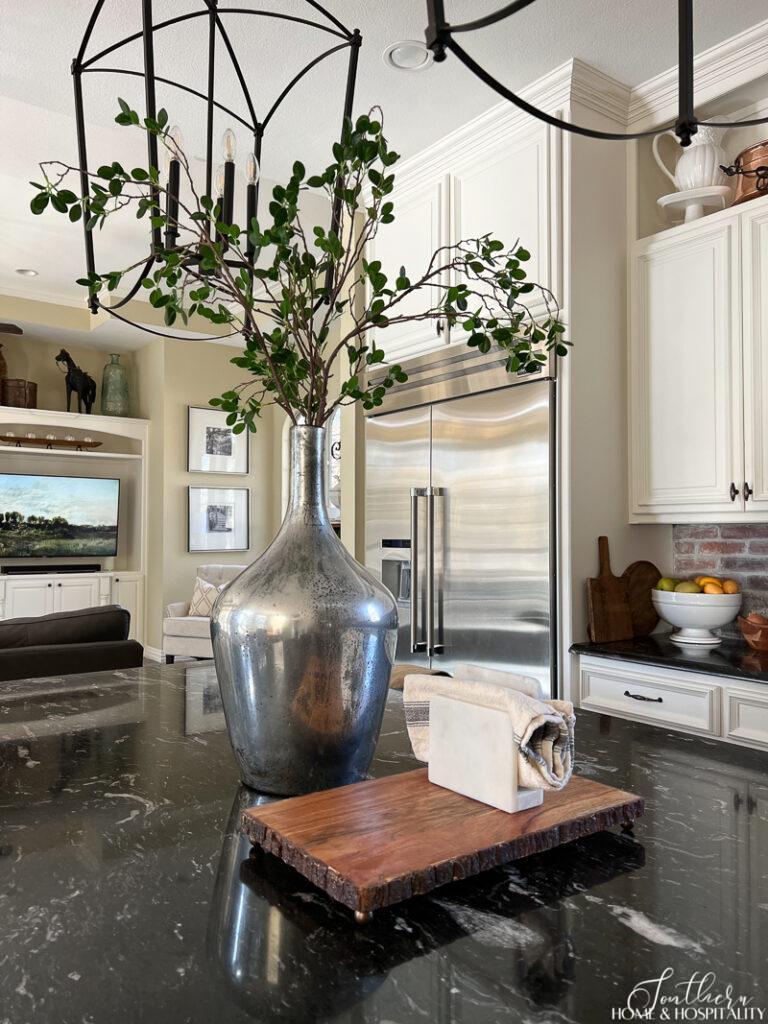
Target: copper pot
[751,171]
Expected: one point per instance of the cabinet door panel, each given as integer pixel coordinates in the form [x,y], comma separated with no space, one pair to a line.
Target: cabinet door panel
[70,595]
[127,591]
[27,597]
[505,190]
[755,263]
[410,240]
[685,374]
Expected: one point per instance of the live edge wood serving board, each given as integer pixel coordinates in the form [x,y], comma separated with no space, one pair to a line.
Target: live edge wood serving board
[376,843]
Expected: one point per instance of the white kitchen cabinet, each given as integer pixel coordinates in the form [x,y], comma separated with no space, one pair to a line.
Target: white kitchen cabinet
[698,371]
[418,230]
[502,186]
[128,592]
[732,709]
[685,374]
[489,178]
[754,258]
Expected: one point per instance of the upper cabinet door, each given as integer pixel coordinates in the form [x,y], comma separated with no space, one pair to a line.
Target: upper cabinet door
[418,230]
[755,264]
[685,375]
[503,186]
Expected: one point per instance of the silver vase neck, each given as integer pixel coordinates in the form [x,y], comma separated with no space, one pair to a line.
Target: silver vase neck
[307,474]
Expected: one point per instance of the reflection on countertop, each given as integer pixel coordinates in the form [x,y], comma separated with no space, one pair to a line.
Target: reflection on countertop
[734,658]
[128,893]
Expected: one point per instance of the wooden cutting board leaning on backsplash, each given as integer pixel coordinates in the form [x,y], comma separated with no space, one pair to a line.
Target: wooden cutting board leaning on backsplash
[620,607]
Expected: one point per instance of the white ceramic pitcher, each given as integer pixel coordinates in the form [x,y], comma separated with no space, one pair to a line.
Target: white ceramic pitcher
[699,164]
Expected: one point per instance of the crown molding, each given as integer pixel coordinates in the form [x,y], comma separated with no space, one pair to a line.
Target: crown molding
[574,82]
[735,62]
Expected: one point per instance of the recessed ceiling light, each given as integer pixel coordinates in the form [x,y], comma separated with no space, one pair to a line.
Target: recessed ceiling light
[26,272]
[407,55]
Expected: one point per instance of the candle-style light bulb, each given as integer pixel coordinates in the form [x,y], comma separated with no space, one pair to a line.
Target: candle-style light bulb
[229,145]
[218,181]
[171,166]
[252,169]
[173,146]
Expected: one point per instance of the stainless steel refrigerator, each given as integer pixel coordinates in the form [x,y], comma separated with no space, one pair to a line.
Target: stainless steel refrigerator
[460,500]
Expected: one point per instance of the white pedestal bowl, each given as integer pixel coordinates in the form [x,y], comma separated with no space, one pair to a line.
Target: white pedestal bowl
[696,615]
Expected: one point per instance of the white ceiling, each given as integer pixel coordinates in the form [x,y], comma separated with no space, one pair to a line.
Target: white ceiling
[630,41]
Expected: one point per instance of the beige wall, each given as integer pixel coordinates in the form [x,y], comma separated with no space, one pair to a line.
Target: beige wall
[194,372]
[33,357]
[150,379]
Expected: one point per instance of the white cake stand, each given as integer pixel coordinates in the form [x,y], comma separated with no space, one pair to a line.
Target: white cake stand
[695,201]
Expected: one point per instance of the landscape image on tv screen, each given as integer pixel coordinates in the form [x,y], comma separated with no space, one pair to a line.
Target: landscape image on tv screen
[57,516]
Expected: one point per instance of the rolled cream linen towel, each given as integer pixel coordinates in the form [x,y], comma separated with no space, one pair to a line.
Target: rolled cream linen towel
[525,684]
[543,729]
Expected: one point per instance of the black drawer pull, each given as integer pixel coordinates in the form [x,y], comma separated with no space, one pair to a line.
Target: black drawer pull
[639,696]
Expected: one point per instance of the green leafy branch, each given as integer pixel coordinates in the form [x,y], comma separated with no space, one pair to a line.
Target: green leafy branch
[311,306]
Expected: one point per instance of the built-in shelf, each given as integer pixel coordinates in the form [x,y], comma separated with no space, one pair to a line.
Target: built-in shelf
[59,453]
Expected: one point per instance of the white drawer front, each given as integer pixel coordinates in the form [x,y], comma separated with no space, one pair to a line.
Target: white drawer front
[650,697]
[746,717]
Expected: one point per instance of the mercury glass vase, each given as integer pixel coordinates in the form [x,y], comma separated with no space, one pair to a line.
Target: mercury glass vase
[304,641]
[114,388]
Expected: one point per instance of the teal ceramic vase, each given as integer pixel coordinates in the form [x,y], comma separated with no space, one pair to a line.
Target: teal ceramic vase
[114,388]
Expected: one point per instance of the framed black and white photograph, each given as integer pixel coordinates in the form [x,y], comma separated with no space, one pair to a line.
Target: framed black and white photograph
[204,708]
[218,518]
[212,447]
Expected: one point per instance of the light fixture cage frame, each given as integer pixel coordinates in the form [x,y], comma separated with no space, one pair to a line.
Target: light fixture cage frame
[318,17]
[440,39]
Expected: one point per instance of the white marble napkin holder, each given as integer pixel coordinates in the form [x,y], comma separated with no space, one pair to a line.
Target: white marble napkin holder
[472,750]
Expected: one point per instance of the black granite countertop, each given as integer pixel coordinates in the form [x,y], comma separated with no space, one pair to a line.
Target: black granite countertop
[127,894]
[730,658]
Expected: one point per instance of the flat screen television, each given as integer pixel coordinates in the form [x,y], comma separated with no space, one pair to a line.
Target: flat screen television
[58,516]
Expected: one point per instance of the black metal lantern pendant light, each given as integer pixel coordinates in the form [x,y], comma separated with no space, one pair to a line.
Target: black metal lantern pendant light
[219,181]
[440,38]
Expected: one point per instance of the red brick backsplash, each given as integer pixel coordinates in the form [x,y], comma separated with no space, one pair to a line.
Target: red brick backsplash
[733,552]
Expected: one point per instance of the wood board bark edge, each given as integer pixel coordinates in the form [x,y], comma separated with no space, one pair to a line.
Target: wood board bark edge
[429,876]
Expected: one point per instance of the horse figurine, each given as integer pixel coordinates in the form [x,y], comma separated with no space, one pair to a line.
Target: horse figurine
[79,381]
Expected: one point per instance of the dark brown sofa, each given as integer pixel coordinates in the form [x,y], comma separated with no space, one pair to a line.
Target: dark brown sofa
[88,640]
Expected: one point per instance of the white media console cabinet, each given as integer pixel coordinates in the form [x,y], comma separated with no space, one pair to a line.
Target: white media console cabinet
[122,454]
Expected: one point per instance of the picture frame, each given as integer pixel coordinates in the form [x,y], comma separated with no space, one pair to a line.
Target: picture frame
[204,710]
[218,518]
[212,447]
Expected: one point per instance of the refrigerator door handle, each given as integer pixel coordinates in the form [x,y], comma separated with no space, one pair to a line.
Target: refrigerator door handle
[416,644]
[432,647]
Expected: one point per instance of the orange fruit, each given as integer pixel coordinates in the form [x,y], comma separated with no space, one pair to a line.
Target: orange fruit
[731,587]
[713,588]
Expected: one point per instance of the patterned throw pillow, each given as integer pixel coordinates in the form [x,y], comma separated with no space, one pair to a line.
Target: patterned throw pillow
[203,598]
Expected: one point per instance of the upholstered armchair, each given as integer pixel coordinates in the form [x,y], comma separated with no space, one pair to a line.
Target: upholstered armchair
[189,636]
